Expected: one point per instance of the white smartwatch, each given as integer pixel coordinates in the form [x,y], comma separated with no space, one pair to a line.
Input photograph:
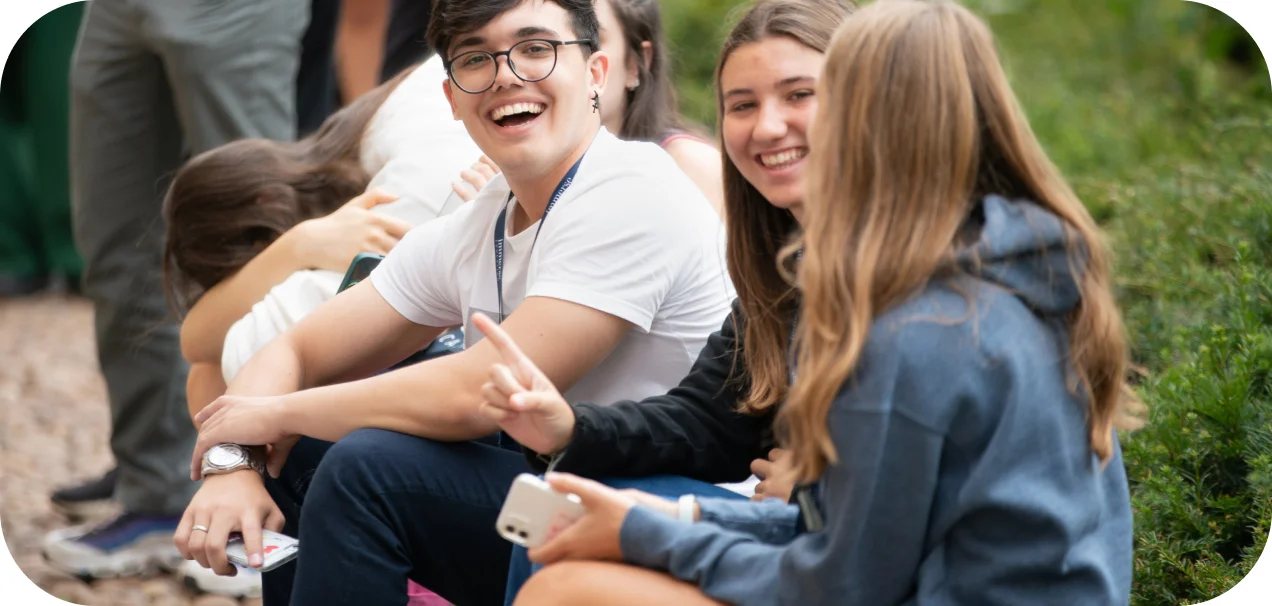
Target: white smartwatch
[687,503]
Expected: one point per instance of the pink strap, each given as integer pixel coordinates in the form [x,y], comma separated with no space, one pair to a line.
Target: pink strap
[669,138]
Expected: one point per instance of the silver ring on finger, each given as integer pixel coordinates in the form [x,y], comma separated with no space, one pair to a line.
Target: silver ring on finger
[199,527]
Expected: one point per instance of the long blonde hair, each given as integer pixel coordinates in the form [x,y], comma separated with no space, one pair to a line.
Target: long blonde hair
[757,230]
[916,121]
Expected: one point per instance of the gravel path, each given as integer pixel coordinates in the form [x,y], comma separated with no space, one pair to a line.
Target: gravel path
[54,427]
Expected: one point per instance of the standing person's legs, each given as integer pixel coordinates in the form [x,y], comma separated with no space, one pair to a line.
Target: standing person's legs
[123,136]
[147,77]
[383,507]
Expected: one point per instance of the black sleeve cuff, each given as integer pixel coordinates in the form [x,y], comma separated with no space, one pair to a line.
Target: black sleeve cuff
[578,456]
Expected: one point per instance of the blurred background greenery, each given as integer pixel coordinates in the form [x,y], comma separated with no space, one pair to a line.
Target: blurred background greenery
[1158,112]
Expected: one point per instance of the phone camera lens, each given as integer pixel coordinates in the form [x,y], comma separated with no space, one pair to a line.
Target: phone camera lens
[523,534]
[510,528]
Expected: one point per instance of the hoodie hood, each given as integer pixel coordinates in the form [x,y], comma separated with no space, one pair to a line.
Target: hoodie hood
[1026,250]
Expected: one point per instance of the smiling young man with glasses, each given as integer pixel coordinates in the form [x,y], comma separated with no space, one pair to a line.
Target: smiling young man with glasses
[600,257]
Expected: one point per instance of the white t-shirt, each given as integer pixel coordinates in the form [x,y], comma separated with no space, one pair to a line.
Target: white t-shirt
[414,149]
[632,236]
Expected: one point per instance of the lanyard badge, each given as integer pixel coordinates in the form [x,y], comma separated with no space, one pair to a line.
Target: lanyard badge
[501,229]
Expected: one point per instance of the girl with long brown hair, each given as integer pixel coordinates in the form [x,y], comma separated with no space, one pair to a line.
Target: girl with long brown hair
[960,367]
[716,426]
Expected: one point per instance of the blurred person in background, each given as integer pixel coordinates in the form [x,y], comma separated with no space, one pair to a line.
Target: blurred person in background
[404,43]
[151,82]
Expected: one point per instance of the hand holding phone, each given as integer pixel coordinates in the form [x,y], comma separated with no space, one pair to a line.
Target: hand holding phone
[534,513]
[279,549]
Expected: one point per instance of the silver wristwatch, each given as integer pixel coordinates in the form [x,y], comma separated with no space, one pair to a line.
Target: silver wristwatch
[226,458]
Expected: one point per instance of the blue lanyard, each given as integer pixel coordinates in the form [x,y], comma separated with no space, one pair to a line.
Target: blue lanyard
[500,229]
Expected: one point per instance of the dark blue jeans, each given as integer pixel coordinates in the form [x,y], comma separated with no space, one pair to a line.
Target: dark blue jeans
[668,487]
[379,507]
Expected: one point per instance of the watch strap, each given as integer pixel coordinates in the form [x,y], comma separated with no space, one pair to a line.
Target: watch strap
[254,459]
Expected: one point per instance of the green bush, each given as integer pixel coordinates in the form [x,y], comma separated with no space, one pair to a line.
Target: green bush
[1158,113]
[1197,294]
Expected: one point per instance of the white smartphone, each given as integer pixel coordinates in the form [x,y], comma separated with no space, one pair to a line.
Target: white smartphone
[279,549]
[533,513]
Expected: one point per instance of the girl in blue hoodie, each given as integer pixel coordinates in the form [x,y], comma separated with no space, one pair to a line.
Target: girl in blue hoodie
[959,377]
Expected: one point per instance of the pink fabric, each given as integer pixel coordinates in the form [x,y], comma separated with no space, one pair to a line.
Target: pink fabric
[419,596]
[668,139]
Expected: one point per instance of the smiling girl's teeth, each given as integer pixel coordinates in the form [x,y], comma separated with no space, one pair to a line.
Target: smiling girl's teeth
[516,108]
[785,157]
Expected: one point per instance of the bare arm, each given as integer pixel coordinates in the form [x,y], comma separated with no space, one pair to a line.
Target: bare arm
[702,163]
[352,336]
[204,328]
[203,385]
[440,398]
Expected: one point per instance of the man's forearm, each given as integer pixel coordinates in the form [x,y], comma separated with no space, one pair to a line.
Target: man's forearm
[437,399]
[275,369]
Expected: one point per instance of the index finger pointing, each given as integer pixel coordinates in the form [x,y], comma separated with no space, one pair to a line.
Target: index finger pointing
[503,343]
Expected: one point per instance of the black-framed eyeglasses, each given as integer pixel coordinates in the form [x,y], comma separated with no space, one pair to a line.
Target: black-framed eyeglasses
[474,72]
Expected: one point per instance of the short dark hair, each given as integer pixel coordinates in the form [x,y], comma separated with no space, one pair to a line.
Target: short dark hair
[453,18]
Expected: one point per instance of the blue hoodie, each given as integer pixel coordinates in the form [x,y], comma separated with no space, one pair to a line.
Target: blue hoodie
[965,471]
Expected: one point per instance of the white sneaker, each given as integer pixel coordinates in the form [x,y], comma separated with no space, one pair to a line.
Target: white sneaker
[126,545]
[246,584]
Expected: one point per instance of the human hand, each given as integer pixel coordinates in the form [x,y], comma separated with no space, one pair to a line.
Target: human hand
[238,420]
[517,396]
[473,179]
[595,536]
[776,483]
[659,504]
[277,455]
[227,503]
[331,242]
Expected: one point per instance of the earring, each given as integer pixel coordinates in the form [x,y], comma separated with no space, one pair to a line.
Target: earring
[596,102]
[634,85]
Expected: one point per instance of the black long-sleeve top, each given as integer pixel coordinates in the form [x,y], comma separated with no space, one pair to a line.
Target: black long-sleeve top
[694,430]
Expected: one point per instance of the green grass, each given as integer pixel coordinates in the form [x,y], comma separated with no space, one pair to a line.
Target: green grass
[1160,115]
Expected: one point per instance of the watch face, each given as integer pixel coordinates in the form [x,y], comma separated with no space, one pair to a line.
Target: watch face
[225,456]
